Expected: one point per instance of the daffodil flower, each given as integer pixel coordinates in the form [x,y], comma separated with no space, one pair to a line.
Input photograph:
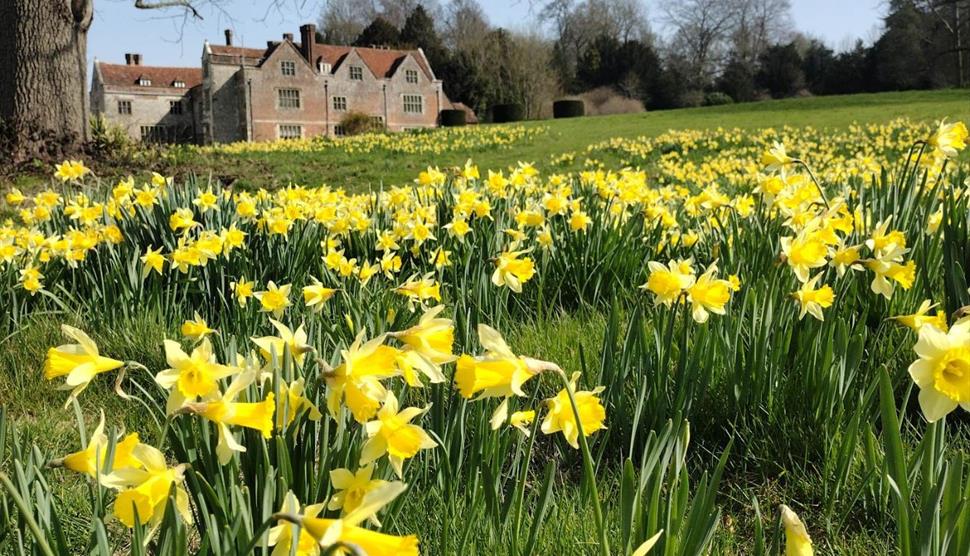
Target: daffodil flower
[942,371]
[93,458]
[797,541]
[79,362]
[190,377]
[393,434]
[144,490]
[561,418]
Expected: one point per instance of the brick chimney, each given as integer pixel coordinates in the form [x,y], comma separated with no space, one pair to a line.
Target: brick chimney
[308,41]
[136,58]
[228,37]
[127,58]
[288,37]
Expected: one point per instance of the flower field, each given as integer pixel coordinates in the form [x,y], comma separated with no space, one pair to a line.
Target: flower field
[731,342]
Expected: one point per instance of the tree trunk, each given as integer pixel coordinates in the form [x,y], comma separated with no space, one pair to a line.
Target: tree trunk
[43,74]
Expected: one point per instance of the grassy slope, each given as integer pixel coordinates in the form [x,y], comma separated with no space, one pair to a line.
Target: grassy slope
[363,171]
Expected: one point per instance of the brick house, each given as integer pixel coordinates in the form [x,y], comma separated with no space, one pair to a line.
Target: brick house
[153,104]
[288,89]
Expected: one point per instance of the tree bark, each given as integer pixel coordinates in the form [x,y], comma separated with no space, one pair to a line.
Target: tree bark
[43,73]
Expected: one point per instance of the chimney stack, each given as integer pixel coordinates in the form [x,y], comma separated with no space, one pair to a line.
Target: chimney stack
[288,37]
[136,58]
[127,58]
[308,41]
[228,37]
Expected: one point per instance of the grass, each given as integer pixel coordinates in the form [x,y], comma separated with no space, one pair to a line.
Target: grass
[574,135]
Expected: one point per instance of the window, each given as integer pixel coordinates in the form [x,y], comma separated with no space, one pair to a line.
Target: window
[411,76]
[288,67]
[178,84]
[157,134]
[290,131]
[413,104]
[144,82]
[356,73]
[289,98]
[340,104]
[377,120]
[124,107]
[323,67]
[339,130]
[175,107]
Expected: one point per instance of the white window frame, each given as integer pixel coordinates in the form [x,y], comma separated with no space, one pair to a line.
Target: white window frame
[412,100]
[339,104]
[144,82]
[283,131]
[127,105]
[288,68]
[411,76]
[178,84]
[285,101]
[356,73]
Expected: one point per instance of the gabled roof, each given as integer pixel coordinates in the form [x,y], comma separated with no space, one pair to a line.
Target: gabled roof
[122,76]
[382,62]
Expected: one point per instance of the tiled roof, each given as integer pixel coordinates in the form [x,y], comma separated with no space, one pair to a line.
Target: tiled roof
[381,61]
[126,76]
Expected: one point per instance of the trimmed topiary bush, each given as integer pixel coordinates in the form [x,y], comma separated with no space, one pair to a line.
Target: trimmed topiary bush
[502,113]
[452,118]
[568,108]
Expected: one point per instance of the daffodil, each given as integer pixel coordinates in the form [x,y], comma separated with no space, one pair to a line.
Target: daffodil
[498,373]
[561,418]
[79,362]
[667,283]
[420,290]
[92,460]
[812,300]
[275,299]
[357,381]
[521,420]
[392,433]
[315,295]
[152,260]
[430,342]
[797,541]
[804,252]
[190,377]
[350,488]
[513,270]
[922,317]
[942,371]
[288,340]
[949,139]
[196,328]
[224,411]
[242,290]
[293,402]
[144,489]
[708,294]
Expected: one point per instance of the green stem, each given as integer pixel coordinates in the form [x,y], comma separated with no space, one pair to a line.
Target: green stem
[25,513]
[588,469]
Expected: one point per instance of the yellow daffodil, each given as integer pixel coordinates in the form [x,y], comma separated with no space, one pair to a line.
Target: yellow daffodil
[275,299]
[190,377]
[357,381]
[797,541]
[292,403]
[813,300]
[431,340]
[922,317]
[942,371]
[513,270]
[667,283]
[560,416]
[316,295]
[242,290]
[288,340]
[196,328]
[152,260]
[949,139]
[708,294]
[144,490]
[393,434]
[93,458]
[79,362]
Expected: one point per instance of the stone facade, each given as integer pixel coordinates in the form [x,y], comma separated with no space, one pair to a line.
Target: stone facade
[288,89]
[153,104]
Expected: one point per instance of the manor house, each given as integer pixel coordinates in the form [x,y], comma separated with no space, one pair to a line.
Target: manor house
[287,90]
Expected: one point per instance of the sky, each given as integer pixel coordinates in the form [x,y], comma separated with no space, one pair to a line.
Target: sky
[170,38]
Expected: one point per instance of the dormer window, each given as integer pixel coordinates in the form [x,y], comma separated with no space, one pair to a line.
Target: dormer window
[323,67]
[144,81]
[178,84]
[356,73]
[411,76]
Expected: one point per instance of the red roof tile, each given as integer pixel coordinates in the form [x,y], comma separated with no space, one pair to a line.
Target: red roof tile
[121,75]
[381,61]
[237,51]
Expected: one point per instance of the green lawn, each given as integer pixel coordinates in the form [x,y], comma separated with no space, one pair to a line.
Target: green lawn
[359,172]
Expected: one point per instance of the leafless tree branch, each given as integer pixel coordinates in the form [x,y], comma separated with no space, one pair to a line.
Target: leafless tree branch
[158,4]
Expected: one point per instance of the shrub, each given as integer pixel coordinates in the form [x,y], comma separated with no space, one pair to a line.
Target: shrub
[568,108]
[717,98]
[502,113]
[603,101]
[355,123]
[452,118]
[692,99]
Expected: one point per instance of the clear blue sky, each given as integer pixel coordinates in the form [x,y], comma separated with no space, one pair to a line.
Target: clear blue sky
[167,37]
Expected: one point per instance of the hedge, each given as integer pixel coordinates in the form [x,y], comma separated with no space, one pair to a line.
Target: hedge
[568,108]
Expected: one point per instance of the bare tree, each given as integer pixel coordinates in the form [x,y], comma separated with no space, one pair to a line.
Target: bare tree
[465,25]
[341,21]
[701,28]
[757,25]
